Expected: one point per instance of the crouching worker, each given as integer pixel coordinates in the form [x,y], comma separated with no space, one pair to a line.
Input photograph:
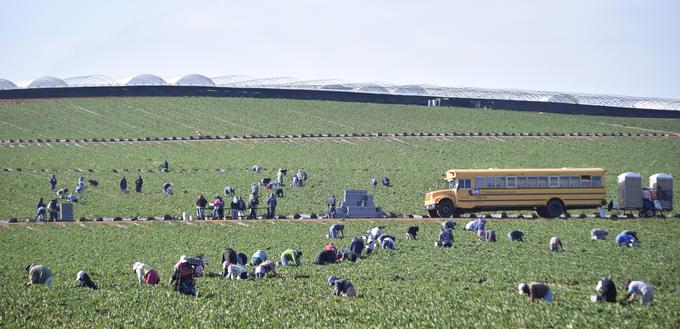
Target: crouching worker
[626,239]
[356,246]
[265,268]
[516,235]
[449,224]
[556,244]
[411,232]
[598,234]
[638,288]
[183,277]
[490,235]
[291,257]
[445,238]
[39,274]
[234,271]
[84,281]
[387,242]
[258,257]
[336,231]
[536,290]
[606,290]
[145,274]
[326,256]
[343,288]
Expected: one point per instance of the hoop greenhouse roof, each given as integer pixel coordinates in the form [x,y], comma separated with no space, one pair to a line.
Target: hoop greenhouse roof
[244,81]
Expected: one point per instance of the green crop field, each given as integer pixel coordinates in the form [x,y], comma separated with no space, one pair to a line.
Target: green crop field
[472,284]
[163,117]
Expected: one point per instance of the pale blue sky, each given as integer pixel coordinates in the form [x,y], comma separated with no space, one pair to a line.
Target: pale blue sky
[626,47]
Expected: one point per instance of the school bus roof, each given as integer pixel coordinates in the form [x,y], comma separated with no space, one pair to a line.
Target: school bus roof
[453,173]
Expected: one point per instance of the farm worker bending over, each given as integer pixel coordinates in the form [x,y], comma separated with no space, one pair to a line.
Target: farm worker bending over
[445,238]
[449,224]
[336,231]
[39,274]
[291,257]
[387,242]
[356,246]
[490,235]
[265,268]
[516,235]
[343,288]
[375,232]
[241,259]
[626,239]
[536,291]
[123,184]
[598,234]
[258,257]
[411,232]
[84,281]
[556,244]
[183,277]
[481,225]
[475,225]
[370,244]
[606,290]
[229,255]
[635,288]
[235,271]
[145,274]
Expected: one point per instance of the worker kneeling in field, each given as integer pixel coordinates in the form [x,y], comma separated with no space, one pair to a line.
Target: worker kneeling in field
[145,274]
[183,277]
[258,257]
[606,290]
[445,238]
[387,241]
[638,288]
[627,238]
[343,288]
[39,274]
[556,244]
[291,257]
[598,234]
[84,281]
[265,268]
[336,231]
[516,235]
[411,232]
[536,290]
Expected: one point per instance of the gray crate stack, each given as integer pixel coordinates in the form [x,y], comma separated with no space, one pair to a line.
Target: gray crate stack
[630,191]
[66,212]
[358,204]
[663,184]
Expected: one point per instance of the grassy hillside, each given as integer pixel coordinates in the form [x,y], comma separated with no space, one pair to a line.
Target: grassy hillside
[162,117]
[413,164]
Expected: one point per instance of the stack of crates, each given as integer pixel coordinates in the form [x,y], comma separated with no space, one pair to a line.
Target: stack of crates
[630,191]
[663,184]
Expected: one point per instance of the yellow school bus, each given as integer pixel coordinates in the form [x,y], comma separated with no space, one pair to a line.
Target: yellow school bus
[548,191]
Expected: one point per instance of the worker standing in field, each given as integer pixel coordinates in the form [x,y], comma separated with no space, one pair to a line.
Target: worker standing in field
[271,206]
[342,287]
[638,288]
[39,274]
[331,206]
[145,274]
[41,209]
[536,291]
[279,176]
[291,257]
[241,208]
[138,184]
[53,209]
[201,203]
[374,182]
[53,183]
[123,184]
[252,204]
[218,208]
[234,208]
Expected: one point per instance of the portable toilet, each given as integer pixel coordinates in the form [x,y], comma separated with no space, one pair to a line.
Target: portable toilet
[663,184]
[630,191]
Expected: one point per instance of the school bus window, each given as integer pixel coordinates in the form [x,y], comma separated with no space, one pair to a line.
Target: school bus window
[597,181]
[542,181]
[500,182]
[585,181]
[574,181]
[521,182]
[554,181]
[532,182]
[464,184]
[479,182]
[489,182]
[511,182]
[564,181]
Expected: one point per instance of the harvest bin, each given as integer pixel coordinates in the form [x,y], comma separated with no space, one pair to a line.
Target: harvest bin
[630,191]
[663,184]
